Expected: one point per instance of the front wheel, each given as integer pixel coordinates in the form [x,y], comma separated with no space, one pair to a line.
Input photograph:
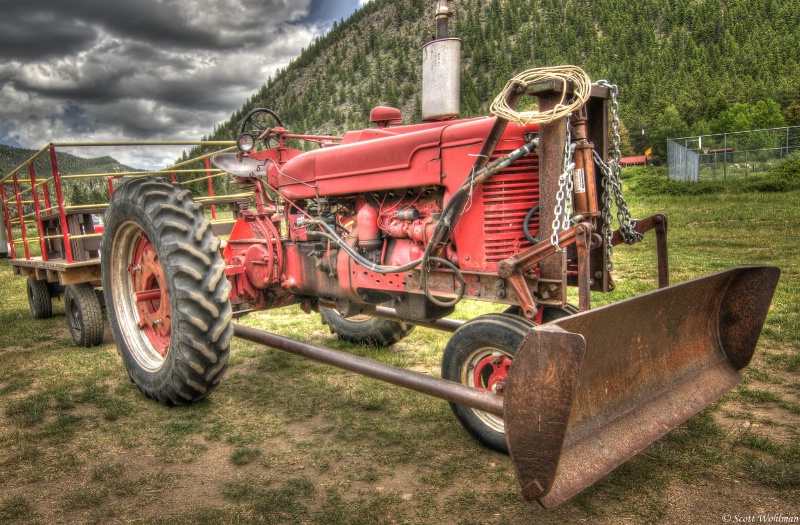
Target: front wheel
[365,330]
[479,355]
[167,297]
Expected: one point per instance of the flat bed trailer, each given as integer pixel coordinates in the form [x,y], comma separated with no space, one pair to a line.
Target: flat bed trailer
[55,244]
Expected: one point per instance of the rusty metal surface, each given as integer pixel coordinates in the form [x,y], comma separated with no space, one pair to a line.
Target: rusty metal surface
[553,136]
[434,386]
[659,223]
[583,245]
[650,363]
[540,391]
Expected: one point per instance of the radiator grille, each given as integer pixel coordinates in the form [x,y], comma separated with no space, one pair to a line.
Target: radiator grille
[507,198]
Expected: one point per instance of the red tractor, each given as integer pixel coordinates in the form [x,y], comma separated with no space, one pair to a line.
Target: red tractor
[390,227]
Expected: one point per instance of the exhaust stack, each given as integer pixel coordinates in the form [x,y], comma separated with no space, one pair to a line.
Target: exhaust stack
[441,70]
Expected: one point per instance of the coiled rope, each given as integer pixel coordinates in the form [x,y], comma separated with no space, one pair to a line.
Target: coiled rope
[582,86]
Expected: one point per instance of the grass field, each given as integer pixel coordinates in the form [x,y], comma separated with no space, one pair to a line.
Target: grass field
[284,440]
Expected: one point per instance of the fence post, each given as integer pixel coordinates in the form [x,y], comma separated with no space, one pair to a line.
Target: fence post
[725,157]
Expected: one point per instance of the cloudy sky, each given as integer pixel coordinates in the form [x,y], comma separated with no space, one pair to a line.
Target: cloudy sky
[108,70]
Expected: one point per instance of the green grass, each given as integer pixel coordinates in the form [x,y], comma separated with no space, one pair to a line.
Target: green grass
[14,508]
[285,440]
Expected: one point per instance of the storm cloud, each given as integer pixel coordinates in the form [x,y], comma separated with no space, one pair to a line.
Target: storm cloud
[95,70]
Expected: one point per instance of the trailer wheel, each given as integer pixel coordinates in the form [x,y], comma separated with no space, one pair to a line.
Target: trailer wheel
[166,294]
[479,355]
[39,299]
[84,314]
[365,330]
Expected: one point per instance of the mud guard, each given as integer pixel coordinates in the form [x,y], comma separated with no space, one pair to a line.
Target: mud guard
[588,392]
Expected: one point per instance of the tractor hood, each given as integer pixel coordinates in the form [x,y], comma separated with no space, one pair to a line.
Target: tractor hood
[378,159]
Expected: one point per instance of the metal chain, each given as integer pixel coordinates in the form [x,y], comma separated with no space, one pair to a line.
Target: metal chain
[563,207]
[608,219]
[612,184]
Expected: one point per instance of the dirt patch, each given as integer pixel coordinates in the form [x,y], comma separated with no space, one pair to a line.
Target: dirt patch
[725,500]
[739,418]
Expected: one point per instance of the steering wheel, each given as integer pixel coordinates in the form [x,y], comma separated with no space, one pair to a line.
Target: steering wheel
[258,120]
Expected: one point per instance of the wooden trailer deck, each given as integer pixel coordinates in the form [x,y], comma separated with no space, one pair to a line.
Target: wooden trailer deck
[58,270]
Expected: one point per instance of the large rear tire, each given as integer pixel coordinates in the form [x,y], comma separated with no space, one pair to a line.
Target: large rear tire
[84,314]
[39,299]
[166,294]
[479,355]
[365,330]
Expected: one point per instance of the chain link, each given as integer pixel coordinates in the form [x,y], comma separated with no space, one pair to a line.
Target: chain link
[563,207]
[608,219]
[612,184]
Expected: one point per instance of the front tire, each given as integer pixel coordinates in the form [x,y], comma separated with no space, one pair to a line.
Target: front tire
[166,294]
[365,330]
[479,355]
[84,314]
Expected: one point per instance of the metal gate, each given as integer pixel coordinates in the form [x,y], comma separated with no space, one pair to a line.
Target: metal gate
[684,164]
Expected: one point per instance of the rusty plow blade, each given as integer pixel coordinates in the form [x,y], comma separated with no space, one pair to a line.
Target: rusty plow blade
[588,392]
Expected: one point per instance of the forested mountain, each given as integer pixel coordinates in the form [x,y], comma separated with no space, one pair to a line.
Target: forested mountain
[692,60]
[11,158]
[76,191]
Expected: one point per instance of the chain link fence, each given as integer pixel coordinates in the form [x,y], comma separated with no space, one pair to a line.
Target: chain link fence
[730,155]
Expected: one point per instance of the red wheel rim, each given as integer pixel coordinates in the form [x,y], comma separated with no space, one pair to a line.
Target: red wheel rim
[152,298]
[490,371]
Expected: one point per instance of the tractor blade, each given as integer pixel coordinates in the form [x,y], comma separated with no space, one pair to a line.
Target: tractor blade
[588,392]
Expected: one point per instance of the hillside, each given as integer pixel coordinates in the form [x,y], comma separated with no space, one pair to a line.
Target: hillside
[11,158]
[699,57]
[76,191]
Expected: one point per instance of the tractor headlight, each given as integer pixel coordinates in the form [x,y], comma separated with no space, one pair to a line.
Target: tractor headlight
[246,143]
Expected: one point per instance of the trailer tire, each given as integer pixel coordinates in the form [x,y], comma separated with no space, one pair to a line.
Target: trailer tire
[84,314]
[365,330]
[39,299]
[468,359]
[166,294]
